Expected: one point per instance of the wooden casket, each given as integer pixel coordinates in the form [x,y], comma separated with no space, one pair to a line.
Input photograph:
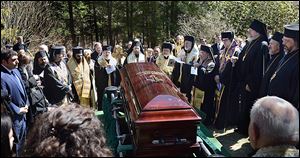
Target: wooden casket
[161,121]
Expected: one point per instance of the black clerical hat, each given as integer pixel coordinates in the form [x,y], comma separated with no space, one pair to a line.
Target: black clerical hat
[136,43]
[207,49]
[189,38]
[277,36]
[77,50]
[167,46]
[106,48]
[227,34]
[292,31]
[41,53]
[259,27]
[57,50]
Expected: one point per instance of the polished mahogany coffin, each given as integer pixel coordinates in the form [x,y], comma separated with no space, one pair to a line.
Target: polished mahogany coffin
[161,121]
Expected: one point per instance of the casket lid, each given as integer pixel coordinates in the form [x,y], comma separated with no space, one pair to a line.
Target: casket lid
[150,89]
[165,102]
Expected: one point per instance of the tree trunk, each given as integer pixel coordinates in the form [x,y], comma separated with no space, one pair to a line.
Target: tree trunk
[72,29]
[174,15]
[95,22]
[130,21]
[167,19]
[154,27]
[109,13]
[127,20]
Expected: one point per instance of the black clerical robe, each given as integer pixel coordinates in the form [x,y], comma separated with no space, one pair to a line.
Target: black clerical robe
[285,84]
[270,69]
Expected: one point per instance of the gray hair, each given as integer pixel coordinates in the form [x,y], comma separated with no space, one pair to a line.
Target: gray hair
[44,47]
[276,119]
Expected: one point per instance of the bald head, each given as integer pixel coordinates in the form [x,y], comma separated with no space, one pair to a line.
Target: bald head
[276,120]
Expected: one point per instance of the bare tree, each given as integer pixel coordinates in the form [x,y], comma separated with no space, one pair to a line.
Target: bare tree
[31,19]
[202,26]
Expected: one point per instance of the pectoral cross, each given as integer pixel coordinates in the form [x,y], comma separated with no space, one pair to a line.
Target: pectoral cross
[273,76]
[244,57]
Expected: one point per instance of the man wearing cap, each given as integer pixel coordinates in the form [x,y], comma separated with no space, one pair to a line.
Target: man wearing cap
[276,51]
[57,79]
[80,72]
[284,82]
[105,73]
[136,56]
[163,60]
[205,82]
[251,65]
[229,96]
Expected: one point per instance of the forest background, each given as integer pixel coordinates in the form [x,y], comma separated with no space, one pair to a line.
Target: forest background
[73,23]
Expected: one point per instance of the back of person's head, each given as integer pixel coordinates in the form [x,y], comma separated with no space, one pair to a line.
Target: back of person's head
[6,142]
[20,39]
[68,131]
[44,48]
[276,120]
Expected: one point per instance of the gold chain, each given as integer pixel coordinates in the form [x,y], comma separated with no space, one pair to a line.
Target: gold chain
[271,64]
[275,73]
[247,50]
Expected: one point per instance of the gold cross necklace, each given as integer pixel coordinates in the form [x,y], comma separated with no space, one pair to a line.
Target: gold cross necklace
[249,48]
[271,63]
[275,73]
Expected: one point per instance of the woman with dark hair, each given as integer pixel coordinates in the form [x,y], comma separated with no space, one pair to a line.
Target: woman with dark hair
[67,131]
[7,137]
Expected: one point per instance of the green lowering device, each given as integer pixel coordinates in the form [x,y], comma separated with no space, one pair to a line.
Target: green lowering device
[119,138]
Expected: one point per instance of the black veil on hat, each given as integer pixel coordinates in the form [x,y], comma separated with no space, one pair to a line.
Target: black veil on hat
[167,45]
[40,53]
[208,50]
[277,36]
[106,48]
[259,27]
[36,68]
[135,43]
[190,38]
[54,51]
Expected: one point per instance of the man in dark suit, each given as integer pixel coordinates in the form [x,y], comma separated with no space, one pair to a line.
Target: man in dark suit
[11,81]
[20,44]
